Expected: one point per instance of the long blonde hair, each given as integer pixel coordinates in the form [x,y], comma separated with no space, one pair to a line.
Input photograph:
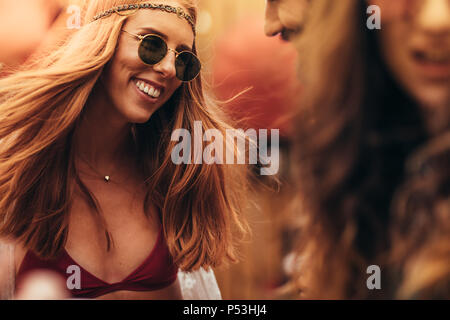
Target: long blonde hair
[39,111]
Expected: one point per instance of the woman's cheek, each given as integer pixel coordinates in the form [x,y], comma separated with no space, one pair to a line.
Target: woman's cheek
[392,9]
[127,57]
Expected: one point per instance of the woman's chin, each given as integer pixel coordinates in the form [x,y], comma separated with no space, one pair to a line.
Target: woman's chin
[140,119]
[433,99]
[138,115]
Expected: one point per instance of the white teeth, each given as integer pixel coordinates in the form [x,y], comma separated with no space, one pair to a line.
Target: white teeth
[148,89]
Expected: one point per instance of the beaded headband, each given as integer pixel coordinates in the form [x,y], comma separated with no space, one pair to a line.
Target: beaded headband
[170,9]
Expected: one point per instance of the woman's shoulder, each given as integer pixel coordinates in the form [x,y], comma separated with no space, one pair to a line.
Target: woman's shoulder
[12,251]
[7,268]
[6,244]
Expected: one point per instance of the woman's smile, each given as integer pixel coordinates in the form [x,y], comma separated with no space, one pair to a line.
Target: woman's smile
[432,64]
[147,90]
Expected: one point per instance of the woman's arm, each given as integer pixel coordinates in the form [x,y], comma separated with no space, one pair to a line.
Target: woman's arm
[7,270]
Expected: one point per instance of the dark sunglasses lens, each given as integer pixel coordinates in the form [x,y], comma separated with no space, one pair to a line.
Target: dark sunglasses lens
[152,49]
[187,65]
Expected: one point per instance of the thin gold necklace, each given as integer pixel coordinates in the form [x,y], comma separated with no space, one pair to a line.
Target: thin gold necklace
[107,178]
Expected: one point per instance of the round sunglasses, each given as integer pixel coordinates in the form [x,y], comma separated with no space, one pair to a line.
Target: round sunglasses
[153,49]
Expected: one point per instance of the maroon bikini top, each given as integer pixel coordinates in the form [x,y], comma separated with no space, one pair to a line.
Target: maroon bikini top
[156,272]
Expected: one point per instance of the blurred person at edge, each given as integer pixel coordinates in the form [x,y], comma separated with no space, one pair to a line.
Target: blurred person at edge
[285,17]
[25,25]
[373,150]
[270,70]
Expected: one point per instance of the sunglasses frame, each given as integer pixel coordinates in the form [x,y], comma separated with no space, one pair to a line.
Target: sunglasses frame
[142,37]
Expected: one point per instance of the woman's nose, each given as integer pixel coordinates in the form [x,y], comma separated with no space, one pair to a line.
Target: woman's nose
[166,67]
[434,17]
[273,25]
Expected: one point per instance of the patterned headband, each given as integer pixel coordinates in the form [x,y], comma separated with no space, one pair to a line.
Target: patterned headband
[177,10]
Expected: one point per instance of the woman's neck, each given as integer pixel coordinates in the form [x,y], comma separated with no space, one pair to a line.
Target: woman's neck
[103,137]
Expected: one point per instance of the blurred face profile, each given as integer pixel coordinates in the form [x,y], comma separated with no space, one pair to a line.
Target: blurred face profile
[415,43]
[285,17]
[135,89]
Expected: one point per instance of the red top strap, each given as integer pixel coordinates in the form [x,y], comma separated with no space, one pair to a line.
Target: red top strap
[156,272]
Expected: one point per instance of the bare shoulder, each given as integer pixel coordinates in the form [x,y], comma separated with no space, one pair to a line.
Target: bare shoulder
[19,254]
[5,243]
[19,251]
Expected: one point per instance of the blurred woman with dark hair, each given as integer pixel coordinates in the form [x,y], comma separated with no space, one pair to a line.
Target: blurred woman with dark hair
[373,149]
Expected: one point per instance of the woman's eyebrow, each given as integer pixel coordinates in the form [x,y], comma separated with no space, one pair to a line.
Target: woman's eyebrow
[180,47]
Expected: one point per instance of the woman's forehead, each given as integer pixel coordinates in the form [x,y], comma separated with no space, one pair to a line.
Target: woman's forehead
[175,28]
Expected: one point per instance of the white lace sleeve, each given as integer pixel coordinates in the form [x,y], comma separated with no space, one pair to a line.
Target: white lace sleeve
[199,285]
[7,276]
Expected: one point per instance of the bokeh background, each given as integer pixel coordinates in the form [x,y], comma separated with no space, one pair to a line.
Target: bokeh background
[237,57]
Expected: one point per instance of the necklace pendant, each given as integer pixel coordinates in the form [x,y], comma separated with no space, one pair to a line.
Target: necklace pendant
[107,178]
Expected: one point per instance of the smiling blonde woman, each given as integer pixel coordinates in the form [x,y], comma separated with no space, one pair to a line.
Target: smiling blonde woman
[86,177]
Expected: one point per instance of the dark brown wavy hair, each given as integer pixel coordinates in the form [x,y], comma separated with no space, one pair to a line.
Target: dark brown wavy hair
[374,183]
